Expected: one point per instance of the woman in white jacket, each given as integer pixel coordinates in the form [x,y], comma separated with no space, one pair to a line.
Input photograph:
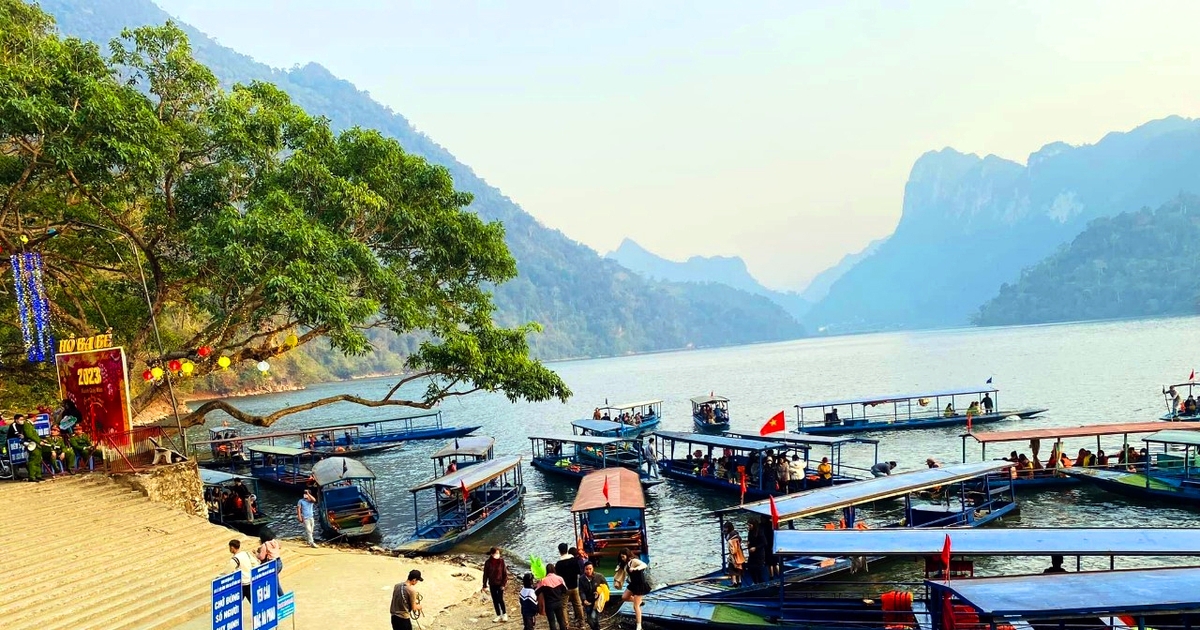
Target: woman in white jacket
[631,568]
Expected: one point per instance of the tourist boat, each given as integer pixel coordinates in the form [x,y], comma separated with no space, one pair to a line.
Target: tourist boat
[346,506]
[638,418]
[282,466]
[965,497]
[227,446]
[1054,476]
[1092,600]
[226,449]
[710,414]
[701,467]
[907,411]
[350,442]
[462,452]
[453,507]
[221,495]
[605,428]
[1179,412]
[835,443]
[574,456]
[1163,474]
[610,517]
[425,426]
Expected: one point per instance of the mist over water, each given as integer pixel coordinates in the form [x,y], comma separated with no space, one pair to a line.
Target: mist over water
[1085,373]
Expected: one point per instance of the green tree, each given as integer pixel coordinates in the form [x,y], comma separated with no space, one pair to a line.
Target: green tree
[261,230]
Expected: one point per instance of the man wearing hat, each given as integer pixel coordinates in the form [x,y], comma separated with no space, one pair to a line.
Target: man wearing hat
[406,602]
[33,443]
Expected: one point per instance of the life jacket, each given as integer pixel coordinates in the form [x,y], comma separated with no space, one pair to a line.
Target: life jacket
[897,609]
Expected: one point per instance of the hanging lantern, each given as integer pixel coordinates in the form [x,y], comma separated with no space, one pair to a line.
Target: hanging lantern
[147,376]
[187,368]
[204,351]
[292,340]
[174,365]
[263,366]
[223,362]
[156,372]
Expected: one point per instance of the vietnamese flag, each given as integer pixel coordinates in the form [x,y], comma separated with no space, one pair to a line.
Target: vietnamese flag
[743,485]
[464,490]
[774,514]
[946,557]
[605,489]
[1192,377]
[775,424]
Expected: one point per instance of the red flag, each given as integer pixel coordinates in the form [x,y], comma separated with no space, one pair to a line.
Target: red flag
[968,422]
[774,514]
[1192,377]
[605,490]
[946,557]
[464,490]
[773,425]
[743,471]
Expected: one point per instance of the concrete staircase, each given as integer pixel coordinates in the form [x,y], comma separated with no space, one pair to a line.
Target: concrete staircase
[84,552]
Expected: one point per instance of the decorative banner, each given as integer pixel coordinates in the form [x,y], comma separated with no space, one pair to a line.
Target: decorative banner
[96,381]
[33,308]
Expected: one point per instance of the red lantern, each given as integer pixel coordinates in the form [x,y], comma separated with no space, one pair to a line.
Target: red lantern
[204,351]
[174,365]
[147,376]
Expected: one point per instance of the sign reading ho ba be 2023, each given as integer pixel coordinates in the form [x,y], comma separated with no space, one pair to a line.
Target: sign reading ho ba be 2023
[94,375]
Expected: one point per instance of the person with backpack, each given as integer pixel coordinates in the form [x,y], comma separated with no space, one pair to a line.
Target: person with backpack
[241,561]
[529,601]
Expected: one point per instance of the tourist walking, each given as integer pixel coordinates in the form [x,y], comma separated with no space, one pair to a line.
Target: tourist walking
[529,601]
[631,571]
[737,554]
[590,591]
[552,590]
[495,577]
[304,513]
[269,550]
[406,602]
[567,568]
[240,561]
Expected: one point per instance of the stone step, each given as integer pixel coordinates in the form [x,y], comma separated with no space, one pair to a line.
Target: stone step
[132,512]
[151,521]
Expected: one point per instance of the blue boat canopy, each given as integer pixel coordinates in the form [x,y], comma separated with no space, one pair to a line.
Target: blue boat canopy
[215,477]
[599,426]
[473,445]
[831,498]
[363,423]
[335,469]
[1187,438]
[991,542]
[791,438]
[1078,594]
[473,476]
[586,440]
[719,441]
[877,400]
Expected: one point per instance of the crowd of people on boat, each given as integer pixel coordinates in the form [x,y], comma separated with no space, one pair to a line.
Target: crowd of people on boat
[1181,406]
[1127,458]
[713,414]
[62,450]
[232,503]
[625,417]
[777,472]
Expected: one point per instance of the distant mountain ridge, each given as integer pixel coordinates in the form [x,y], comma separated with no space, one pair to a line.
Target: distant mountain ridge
[587,306]
[1135,264]
[730,271]
[970,224]
[819,286]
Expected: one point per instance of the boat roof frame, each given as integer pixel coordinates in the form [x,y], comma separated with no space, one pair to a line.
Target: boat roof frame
[1174,436]
[795,438]
[1021,541]
[433,413]
[821,500]
[879,400]
[702,400]
[1079,431]
[720,441]
[475,446]
[472,476]
[218,477]
[590,424]
[624,491]
[280,451]
[586,440]
[633,405]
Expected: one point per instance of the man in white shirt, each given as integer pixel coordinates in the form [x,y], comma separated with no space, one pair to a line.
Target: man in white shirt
[241,561]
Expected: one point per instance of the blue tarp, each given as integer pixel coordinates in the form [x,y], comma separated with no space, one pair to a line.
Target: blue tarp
[831,498]
[900,398]
[601,426]
[719,441]
[992,542]
[1092,593]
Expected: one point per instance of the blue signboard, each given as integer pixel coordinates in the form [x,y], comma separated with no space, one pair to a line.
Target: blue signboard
[263,595]
[41,422]
[286,606]
[16,452]
[227,602]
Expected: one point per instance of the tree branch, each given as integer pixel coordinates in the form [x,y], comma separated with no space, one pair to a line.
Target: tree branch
[197,416]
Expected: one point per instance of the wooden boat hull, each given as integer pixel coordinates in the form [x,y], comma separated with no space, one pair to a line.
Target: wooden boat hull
[1180,417]
[418,546]
[927,422]
[551,469]
[699,425]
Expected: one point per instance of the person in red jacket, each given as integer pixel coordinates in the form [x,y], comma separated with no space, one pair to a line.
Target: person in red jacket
[495,577]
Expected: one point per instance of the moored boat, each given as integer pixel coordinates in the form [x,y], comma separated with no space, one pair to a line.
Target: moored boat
[425,426]
[232,501]
[455,506]
[836,444]
[610,517]
[346,505]
[638,418]
[574,456]
[978,405]
[282,466]
[462,452]
[734,465]
[1156,474]
[710,414]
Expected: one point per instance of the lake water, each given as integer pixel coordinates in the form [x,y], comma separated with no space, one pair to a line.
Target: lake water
[1085,373]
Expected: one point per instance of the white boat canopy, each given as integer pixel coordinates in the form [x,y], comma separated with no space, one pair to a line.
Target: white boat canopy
[334,469]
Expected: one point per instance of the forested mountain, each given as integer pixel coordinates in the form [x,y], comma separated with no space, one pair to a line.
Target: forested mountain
[588,306]
[970,224]
[727,270]
[1136,264]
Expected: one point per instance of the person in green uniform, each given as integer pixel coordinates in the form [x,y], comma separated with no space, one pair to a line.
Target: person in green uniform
[63,456]
[35,456]
[81,445]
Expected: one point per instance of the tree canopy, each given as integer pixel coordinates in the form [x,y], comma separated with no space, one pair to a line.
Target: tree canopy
[260,229]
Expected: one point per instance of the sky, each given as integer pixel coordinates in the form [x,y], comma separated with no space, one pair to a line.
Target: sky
[781,132]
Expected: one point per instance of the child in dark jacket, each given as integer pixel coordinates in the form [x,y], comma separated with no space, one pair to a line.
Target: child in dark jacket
[529,602]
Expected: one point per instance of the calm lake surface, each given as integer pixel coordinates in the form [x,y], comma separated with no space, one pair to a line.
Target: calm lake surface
[1085,373]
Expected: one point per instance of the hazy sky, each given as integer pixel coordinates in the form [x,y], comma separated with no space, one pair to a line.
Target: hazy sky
[782,132]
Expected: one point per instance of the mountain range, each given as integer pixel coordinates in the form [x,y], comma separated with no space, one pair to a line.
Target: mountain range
[587,306]
[971,224]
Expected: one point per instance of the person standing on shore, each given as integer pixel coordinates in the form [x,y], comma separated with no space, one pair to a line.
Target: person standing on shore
[567,568]
[529,603]
[551,591]
[304,513]
[406,601]
[269,550]
[495,578]
[242,562]
[589,592]
[631,571]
